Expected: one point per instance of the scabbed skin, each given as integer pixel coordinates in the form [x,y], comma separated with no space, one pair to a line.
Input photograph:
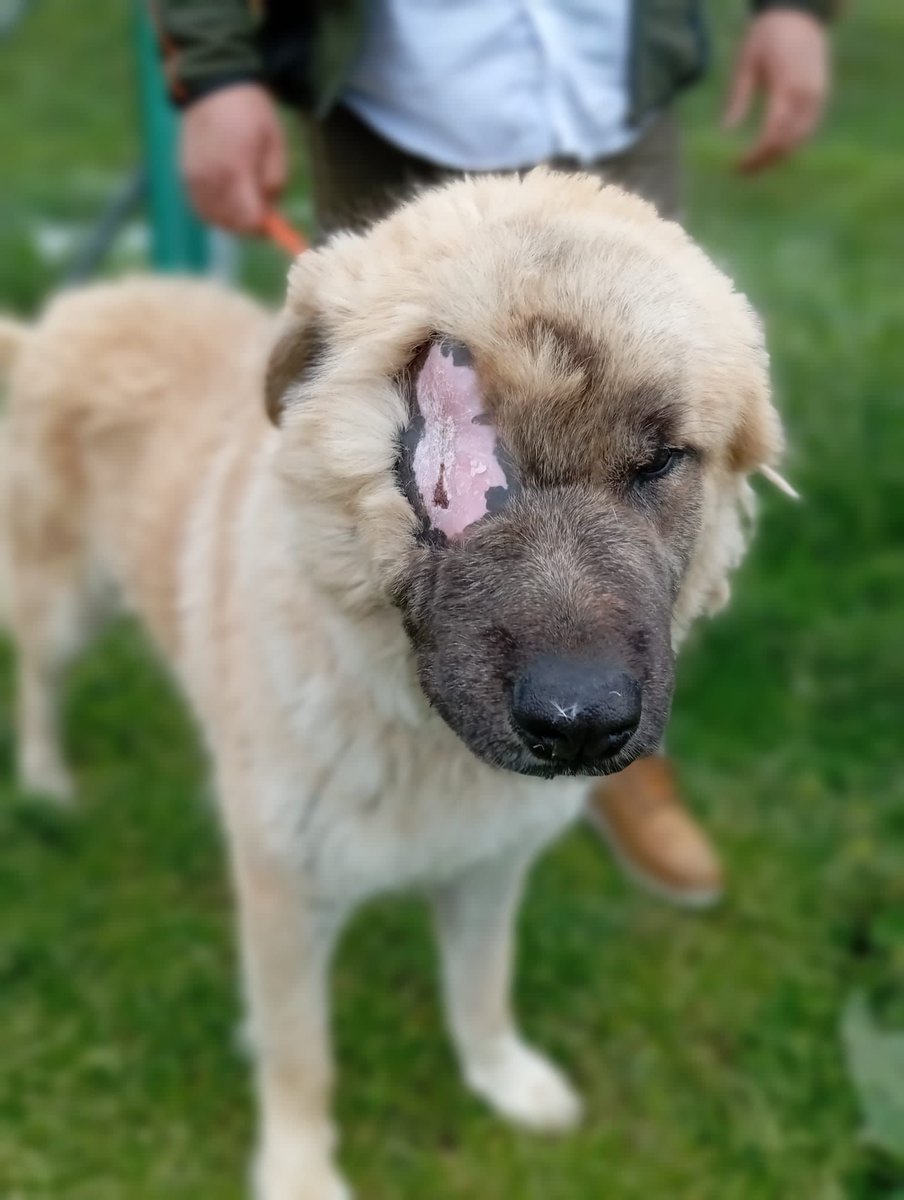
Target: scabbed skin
[455,461]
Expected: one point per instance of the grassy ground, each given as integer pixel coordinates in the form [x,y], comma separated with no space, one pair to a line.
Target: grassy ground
[707,1048]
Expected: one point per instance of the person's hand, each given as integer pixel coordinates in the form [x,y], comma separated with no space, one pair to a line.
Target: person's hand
[234,156]
[785,55]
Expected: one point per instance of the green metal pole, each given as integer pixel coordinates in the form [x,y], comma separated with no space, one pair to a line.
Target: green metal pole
[179,242]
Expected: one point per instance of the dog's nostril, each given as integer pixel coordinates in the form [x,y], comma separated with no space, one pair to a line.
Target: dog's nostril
[575,711]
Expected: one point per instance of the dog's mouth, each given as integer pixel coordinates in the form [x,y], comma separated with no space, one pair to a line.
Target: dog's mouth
[559,717]
[576,760]
[538,763]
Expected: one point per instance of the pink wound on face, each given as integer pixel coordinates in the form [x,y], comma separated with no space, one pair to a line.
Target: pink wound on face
[455,462]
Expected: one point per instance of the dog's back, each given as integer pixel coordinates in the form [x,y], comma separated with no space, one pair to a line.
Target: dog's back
[120,399]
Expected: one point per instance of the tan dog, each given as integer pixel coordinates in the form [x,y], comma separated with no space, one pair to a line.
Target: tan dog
[513,426]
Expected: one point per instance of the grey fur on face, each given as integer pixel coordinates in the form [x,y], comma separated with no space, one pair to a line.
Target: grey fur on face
[563,572]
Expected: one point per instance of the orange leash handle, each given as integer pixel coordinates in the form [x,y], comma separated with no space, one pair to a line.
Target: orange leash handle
[283,234]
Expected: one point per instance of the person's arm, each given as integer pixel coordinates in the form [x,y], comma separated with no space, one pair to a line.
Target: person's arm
[233,152]
[785,55]
[823,9]
[206,45]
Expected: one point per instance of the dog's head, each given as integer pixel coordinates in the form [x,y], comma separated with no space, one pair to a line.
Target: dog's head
[523,412]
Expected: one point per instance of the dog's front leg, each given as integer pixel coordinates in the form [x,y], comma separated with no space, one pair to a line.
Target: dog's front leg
[475,918]
[287,942]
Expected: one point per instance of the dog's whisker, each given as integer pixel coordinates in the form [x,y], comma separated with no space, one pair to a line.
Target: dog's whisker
[567,714]
[772,476]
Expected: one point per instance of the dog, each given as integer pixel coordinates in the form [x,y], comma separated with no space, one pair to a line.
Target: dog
[420,551]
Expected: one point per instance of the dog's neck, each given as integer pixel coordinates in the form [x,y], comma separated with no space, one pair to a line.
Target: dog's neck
[321,604]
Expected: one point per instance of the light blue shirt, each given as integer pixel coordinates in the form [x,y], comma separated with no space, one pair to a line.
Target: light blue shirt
[496,84]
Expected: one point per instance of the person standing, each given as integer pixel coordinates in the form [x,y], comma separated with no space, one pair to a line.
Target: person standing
[398,94]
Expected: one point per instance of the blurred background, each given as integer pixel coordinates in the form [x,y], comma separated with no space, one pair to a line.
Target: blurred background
[748,1053]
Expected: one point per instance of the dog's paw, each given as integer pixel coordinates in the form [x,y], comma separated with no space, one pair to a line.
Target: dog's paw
[297,1170]
[525,1088]
[329,1187]
[45,776]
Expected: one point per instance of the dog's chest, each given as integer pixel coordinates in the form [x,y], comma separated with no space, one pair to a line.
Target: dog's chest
[437,830]
[401,810]
[354,779]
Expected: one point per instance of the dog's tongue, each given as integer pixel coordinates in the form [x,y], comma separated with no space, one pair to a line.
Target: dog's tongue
[455,462]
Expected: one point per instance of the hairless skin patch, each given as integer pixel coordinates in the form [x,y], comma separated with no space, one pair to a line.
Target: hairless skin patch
[456,467]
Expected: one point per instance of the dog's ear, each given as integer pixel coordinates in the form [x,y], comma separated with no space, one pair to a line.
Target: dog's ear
[757,441]
[301,337]
[296,353]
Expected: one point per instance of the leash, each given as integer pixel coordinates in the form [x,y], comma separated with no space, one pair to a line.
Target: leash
[283,234]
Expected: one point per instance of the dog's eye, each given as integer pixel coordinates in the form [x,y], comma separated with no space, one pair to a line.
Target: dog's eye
[660,463]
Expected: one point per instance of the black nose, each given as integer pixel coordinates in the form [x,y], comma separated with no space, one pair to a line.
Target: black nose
[575,712]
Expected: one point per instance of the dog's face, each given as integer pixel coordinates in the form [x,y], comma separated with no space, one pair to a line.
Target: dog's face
[557,515]
[524,413]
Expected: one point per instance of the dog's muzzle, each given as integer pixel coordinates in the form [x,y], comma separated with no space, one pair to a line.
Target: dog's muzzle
[574,713]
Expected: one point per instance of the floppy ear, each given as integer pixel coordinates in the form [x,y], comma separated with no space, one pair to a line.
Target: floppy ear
[298,349]
[300,340]
[758,442]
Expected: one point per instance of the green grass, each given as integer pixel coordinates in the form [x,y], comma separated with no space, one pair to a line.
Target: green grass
[707,1047]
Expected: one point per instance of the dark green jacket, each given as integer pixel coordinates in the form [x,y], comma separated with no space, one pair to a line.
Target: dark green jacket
[302,50]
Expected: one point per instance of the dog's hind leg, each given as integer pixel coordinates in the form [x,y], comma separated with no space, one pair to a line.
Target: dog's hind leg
[51,614]
[49,632]
[475,919]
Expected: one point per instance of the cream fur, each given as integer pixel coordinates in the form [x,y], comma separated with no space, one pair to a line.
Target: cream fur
[262,562]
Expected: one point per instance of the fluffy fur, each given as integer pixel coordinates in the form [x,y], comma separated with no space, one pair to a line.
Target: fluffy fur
[351,671]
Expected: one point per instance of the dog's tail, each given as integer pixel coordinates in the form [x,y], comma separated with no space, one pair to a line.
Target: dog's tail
[12,339]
